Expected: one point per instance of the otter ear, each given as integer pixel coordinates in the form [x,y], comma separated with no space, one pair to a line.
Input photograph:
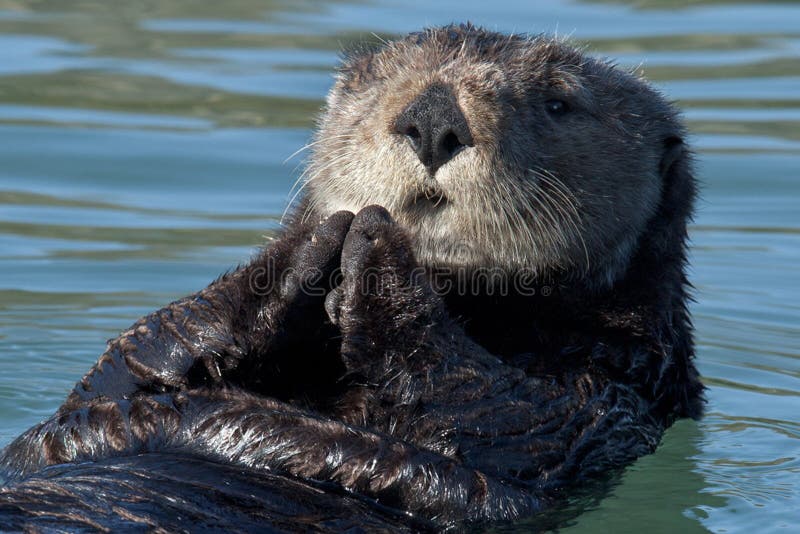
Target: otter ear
[678,183]
[674,149]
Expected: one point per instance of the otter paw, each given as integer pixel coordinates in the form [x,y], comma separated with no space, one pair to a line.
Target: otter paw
[378,268]
[384,297]
[375,246]
[313,263]
[294,281]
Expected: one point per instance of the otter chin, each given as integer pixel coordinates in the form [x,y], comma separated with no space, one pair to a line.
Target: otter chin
[332,382]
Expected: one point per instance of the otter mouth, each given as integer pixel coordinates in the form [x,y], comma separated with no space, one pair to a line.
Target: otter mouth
[430,195]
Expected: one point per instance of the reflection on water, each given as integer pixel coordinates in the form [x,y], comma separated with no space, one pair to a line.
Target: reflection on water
[143,145]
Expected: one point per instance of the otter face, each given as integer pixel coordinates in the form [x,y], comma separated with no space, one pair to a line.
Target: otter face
[496,151]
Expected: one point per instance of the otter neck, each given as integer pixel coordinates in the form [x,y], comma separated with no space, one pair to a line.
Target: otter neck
[514,325]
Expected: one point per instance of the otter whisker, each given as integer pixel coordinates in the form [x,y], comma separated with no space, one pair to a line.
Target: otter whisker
[558,233]
[554,233]
[559,186]
[572,226]
[573,216]
[379,38]
[517,218]
[314,201]
[310,168]
[299,150]
[315,143]
[308,173]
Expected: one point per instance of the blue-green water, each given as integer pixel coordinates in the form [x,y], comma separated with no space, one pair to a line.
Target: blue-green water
[142,149]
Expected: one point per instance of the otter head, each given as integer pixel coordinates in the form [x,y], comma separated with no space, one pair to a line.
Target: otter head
[497,151]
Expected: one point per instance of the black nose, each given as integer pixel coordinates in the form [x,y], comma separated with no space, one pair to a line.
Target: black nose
[435,126]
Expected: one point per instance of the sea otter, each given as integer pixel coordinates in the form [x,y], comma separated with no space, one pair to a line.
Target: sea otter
[479,303]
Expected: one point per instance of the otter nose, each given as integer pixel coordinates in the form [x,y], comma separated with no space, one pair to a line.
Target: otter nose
[435,126]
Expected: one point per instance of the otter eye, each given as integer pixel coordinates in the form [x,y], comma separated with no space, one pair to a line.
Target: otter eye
[556,107]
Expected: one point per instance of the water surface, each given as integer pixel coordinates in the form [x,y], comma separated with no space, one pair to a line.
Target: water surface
[143,148]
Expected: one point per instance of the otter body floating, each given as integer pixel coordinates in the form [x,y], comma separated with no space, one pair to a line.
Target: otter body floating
[503,318]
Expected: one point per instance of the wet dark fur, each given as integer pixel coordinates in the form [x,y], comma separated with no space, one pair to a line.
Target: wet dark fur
[343,400]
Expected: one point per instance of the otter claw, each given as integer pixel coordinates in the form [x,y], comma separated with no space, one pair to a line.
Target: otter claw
[332,305]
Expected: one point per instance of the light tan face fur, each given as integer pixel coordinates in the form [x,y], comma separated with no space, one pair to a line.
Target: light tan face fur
[552,193]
